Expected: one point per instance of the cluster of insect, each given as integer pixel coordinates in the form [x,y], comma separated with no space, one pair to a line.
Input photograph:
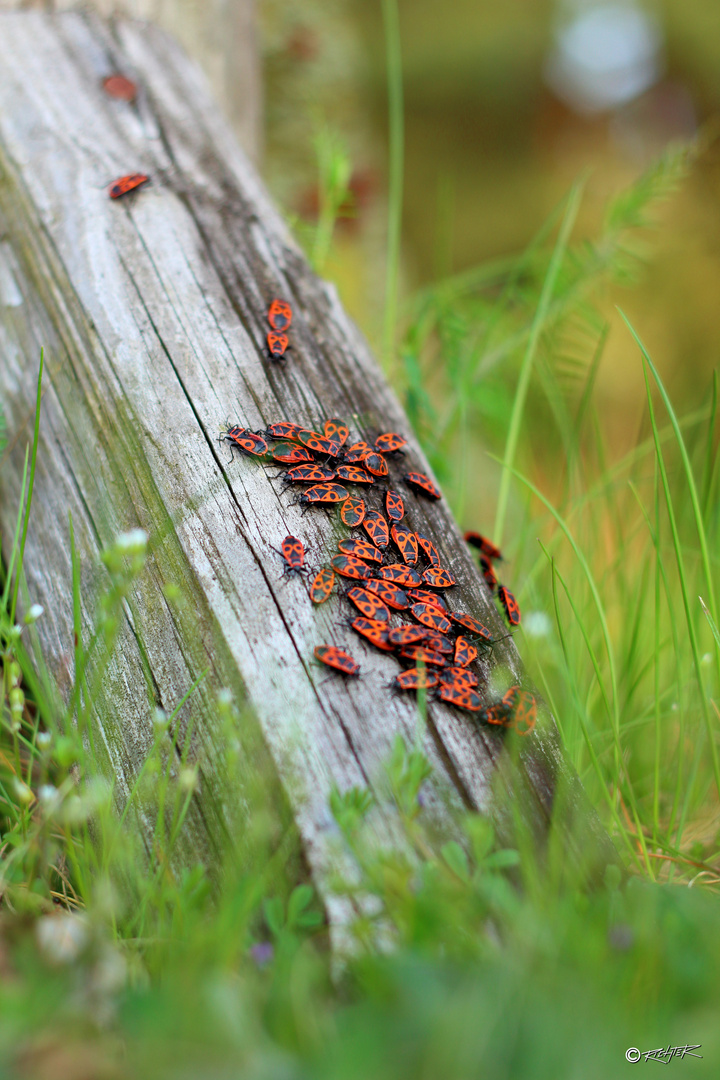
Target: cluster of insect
[390,573]
[439,647]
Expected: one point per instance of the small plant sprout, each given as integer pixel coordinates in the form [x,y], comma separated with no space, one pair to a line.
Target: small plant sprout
[22,792]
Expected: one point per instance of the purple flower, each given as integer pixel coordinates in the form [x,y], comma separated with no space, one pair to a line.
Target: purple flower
[262,953]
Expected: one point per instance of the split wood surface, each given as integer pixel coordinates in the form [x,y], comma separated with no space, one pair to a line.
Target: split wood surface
[152,313]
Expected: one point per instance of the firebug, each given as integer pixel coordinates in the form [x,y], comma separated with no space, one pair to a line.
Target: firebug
[357,453]
[407,635]
[438,578]
[523,709]
[488,573]
[406,542]
[460,698]
[278,345]
[354,474]
[390,443]
[377,529]
[438,642]
[293,553]
[420,655]
[465,653]
[283,430]
[290,454]
[361,549]
[422,484]
[337,658]
[485,546]
[390,594]
[510,604]
[373,631]
[459,677]
[352,512]
[322,585]
[125,184]
[399,574]
[394,506]
[351,567]
[424,596]
[428,549]
[471,624]
[323,494]
[247,442]
[499,713]
[308,474]
[318,443]
[279,315]
[336,430]
[431,617]
[368,604]
[415,679]
[376,464]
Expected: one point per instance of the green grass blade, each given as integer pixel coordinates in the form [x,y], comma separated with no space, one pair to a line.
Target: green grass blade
[526,367]
[588,575]
[393,60]
[16,538]
[680,563]
[31,483]
[595,761]
[661,576]
[711,622]
[710,456]
[687,469]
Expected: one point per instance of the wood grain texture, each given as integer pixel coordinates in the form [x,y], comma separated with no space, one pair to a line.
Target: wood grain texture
[152,314]
[221,37]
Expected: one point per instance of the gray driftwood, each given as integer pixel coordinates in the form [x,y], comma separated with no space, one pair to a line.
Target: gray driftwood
[152,311]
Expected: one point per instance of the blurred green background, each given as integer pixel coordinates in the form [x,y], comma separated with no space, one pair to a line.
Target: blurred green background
[490,150]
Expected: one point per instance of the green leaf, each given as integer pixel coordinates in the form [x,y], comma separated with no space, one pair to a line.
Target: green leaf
[456,859]
[274,915]
[309,920]
[500,859]
[481,834]
[299,900]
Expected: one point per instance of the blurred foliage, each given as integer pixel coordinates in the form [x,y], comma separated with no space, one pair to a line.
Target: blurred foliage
[489,154]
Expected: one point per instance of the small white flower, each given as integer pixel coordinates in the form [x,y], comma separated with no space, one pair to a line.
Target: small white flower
[225,698]
[132,542]
[537,624]
[61,937]
[188,779]
[160,719]
[49,796]
[43,739]
[34,614]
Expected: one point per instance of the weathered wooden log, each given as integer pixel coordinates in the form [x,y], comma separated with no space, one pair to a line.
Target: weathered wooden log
[152,312]
[222,38]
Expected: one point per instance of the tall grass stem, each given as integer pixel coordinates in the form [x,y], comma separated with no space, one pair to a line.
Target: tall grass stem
[396,136]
